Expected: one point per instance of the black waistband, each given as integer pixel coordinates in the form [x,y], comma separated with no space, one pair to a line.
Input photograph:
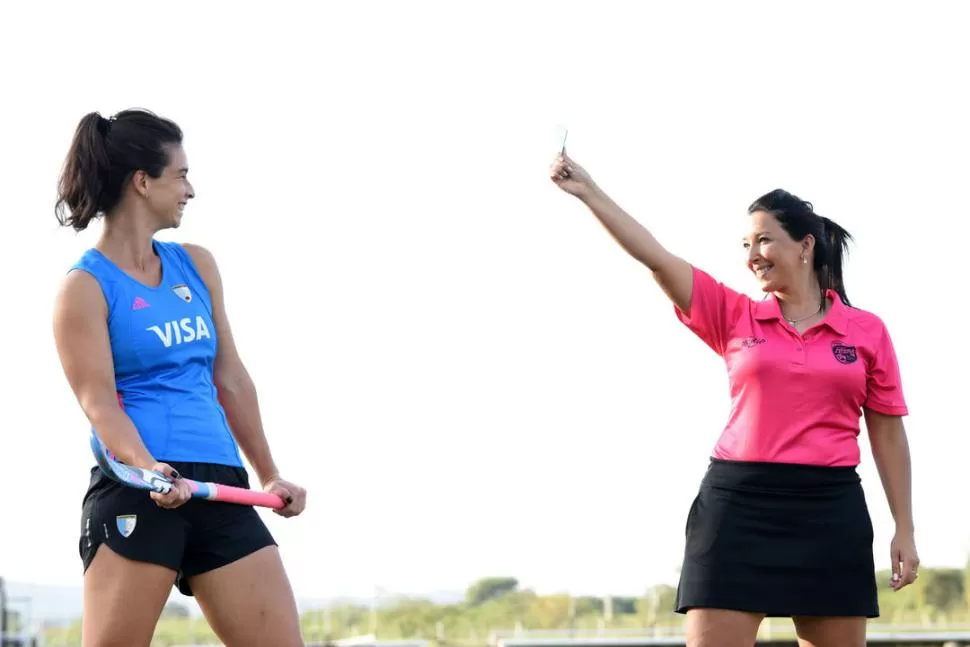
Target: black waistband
[781,477]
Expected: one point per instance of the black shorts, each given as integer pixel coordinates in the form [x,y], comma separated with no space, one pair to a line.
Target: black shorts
[780,539]
[194,538]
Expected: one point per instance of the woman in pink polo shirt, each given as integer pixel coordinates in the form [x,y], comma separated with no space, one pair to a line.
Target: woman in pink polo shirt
[780,525]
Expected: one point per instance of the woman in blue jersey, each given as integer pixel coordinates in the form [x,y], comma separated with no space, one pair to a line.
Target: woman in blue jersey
[145,343]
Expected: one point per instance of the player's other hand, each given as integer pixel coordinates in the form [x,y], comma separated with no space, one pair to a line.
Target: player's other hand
[292,494]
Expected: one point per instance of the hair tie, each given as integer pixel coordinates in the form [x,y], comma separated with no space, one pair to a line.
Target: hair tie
[104,125]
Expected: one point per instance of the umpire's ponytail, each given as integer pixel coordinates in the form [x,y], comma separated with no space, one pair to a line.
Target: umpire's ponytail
[829,272]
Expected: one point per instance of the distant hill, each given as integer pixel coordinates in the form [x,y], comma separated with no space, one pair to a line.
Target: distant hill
[56,604]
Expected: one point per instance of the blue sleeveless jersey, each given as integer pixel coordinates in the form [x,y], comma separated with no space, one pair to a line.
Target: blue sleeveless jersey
[163,342]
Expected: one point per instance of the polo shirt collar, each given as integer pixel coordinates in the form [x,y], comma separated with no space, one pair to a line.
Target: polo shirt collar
[836,318]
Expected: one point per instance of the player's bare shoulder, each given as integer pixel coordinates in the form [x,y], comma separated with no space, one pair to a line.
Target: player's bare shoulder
[205,263]
[200,255]
[79,294]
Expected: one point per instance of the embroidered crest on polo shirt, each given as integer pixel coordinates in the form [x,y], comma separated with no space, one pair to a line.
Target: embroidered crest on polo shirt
[843,353]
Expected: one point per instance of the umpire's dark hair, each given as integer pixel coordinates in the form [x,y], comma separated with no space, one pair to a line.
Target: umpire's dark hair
[104,154]
[798,218]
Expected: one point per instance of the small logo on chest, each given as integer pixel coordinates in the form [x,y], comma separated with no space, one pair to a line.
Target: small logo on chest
[182,291]
[843,353]
[181,331]
[751,342]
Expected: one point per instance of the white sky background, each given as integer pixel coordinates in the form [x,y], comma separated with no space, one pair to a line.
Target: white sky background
[470,377]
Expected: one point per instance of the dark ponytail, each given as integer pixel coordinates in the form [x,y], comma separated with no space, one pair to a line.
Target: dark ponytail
[798,218]
[103,156]
[82,181]
[835,248]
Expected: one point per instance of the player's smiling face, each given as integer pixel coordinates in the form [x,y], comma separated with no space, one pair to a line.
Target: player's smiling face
[168,194]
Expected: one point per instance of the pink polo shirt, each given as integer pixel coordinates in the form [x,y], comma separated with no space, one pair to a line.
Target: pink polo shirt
[795,398]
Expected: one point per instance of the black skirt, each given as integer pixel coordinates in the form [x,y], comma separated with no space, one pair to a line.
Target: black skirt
[781,540]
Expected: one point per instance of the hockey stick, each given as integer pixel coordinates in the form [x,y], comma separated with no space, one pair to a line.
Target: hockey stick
[155,482]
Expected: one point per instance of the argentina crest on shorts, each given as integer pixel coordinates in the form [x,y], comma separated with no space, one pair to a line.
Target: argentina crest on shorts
[126,524]
[182,291]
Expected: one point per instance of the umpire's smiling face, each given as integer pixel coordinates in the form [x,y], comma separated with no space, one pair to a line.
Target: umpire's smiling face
[772,255]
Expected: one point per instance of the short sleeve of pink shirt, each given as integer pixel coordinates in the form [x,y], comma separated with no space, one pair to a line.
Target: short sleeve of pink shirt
[714,308]
[884,390]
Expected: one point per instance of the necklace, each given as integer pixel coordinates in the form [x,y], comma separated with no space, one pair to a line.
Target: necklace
[795,321]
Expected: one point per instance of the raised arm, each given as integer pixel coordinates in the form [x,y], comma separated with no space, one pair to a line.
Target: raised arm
[673,274]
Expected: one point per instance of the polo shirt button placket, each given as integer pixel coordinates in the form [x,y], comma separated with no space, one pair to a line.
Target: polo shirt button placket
[799,350]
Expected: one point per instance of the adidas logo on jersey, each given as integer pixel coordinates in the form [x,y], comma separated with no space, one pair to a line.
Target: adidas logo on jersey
[182,331]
